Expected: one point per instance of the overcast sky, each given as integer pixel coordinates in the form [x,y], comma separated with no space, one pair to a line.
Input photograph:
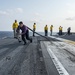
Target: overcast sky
[55,12]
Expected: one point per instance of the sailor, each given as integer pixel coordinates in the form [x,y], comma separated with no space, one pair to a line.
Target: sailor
[51,29]
[46,30]
[14,27]
[34,28]
[60,30]
[25,32]
[68,30]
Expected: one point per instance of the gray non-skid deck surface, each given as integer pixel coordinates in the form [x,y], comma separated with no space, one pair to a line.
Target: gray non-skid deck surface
[50,67]
[17,59]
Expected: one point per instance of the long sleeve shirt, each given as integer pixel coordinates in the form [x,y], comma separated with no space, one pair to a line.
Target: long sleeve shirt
[23,28]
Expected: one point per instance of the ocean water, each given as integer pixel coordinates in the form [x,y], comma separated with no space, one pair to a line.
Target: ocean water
[4,34]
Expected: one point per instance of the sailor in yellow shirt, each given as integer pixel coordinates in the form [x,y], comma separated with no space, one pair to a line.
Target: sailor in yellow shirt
[60,30]
[46,30]
[51,29]
[34,28]
[14,27]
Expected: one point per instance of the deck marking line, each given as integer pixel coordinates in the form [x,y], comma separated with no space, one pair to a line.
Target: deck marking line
[59,66]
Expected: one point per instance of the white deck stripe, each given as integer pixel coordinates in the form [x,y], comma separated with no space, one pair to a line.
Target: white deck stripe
[59,66]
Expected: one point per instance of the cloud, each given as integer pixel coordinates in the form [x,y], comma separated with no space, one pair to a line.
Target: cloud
[38,18]
[20,10]
[3,13]
[35,20]
[70,18]
[12,11]
[37,14]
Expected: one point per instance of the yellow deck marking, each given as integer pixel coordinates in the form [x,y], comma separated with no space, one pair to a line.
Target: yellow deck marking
[69,41]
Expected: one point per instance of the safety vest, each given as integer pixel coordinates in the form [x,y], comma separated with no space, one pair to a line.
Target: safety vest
[51,27]
[60,28]
[34,26]
[15,25]
[46,28]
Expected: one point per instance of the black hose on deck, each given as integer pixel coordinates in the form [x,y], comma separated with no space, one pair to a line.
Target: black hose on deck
[39,34]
